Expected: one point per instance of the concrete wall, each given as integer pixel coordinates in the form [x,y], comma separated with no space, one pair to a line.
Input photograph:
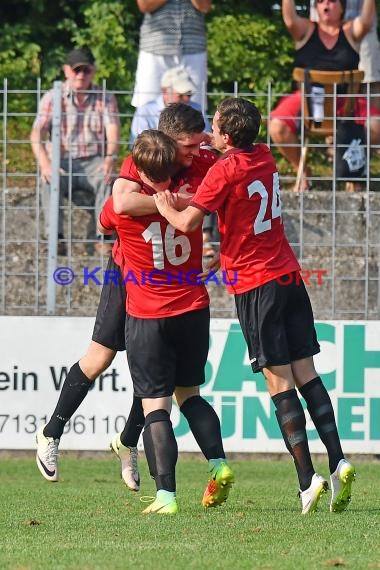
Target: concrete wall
[338,233]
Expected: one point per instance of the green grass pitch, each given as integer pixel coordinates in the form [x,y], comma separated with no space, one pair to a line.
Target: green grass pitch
[89,520]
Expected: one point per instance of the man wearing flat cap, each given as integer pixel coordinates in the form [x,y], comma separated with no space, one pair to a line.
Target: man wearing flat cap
[176,87]
[90,132]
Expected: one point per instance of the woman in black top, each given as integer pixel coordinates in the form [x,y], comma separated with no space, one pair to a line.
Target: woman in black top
[329,45]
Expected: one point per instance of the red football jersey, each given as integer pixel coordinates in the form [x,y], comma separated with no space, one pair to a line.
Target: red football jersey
[117,255]
[161,264]
[244,188]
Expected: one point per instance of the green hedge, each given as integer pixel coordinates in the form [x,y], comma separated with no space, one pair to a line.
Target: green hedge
[244,45]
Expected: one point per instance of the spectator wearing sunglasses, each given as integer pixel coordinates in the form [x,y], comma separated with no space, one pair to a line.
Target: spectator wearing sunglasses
[330,44]
[90,133]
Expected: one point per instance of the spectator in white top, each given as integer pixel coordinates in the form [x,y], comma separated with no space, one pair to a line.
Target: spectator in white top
[173,32]
[176,87]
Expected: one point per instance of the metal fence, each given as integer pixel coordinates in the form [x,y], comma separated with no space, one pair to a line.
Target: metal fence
[335,234]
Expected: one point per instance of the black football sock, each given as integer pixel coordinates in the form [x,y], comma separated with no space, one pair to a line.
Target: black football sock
[74,391]
[135,423]
[161,449]
[205,426]
[284,435]
[322,413]
[292,421]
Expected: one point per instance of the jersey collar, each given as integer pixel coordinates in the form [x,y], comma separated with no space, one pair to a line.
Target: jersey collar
[228,153]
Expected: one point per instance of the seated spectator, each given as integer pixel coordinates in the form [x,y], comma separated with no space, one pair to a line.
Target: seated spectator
[176,87]
[326,45]
[89,136]
[369,52]
[173,32]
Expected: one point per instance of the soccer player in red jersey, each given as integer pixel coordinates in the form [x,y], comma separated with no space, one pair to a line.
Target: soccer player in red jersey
[272,304]
[167,328]
[186,128]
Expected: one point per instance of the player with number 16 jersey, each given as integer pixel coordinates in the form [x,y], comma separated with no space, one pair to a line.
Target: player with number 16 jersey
[161,264]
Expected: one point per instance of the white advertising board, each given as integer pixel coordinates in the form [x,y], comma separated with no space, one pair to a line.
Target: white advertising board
[37,352]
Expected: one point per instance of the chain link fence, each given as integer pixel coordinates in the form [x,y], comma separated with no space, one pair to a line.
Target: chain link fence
[335,234]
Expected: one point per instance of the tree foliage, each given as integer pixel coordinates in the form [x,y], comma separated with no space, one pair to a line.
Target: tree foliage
[246,42]
[250,51]
[36,35]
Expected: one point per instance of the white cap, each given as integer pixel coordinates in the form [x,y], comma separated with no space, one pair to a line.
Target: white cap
[178,79]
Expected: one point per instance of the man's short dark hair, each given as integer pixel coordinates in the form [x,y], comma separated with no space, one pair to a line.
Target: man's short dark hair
[155,153]
[181,119]
[240,119]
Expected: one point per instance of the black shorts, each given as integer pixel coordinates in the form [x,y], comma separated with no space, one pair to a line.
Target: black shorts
[277,322]
[110,317]
[168,352]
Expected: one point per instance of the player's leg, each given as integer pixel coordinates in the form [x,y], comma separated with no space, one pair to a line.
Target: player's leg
[76,386]
[74,391]
[319,407]
[291,418]
[124,445]
[292,422]
[109,330]
[161,453]
[342,473]
[108,336]
[303,345]
[262,313]
[205,427]
[151,359]
[191,334]
[203,422]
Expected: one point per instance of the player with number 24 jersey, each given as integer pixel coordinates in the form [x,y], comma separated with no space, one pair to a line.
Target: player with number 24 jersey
[247,211]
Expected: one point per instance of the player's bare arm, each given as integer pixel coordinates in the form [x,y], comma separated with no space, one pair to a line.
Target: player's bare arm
[127,199]
[186,221]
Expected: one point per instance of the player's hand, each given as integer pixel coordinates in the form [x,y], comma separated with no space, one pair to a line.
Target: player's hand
[213,263]
[211,266]
[183,197]
[182,201]
[208,139]
[164,201]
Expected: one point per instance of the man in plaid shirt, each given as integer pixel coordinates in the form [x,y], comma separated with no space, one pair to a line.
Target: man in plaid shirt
[90,131]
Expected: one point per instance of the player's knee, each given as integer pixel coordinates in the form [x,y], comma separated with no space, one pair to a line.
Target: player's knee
[182,394]
[278,130]
[157,416]
[95,365]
